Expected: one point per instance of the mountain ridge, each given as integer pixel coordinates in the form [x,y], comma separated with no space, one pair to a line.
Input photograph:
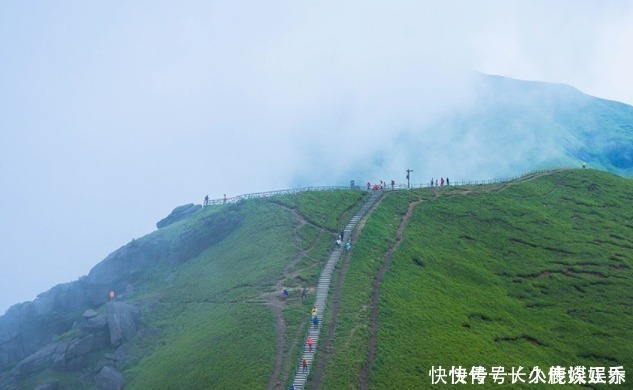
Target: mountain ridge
[173,299]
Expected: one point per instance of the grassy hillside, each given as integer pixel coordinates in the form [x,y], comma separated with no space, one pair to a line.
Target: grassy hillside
[534,273]
[217,320]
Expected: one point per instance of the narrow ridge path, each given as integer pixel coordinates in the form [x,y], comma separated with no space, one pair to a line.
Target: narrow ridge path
[301,375]
[373,329]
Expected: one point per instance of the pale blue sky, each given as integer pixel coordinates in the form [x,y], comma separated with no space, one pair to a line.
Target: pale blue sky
[113,113]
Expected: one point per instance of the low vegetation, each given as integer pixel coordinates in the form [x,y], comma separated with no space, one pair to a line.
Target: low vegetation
[534,273]
[214,318]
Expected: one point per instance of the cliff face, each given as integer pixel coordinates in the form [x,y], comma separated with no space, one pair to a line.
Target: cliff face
[51,332]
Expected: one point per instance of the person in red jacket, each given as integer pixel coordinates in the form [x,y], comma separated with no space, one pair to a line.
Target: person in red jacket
[304,363]
[310,344]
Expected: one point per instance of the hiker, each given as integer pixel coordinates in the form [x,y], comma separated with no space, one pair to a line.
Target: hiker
[304,363]
[285,294]
[431,182]
[436,183]
[310,344]
[292,387]
[447,182]
[348,246]
[393,183]
[111,295]
[314,311]
[315,321]
[224,198]
[441,181]
[342,234]
[368,186]
[206,200]
[584,165]
[304,293]
[338,241]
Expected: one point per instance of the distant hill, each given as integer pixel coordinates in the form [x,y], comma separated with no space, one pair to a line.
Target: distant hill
[564,125]
[534,272]
[498,127]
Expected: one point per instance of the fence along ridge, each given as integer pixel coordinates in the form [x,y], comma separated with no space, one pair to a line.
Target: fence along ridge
[268,194]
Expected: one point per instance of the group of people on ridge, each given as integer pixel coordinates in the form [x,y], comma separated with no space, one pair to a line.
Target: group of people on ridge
[440,183]
[206,200]
[286,293]
[381,186]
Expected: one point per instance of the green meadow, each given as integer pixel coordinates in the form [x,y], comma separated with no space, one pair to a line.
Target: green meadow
[534,273]
[213,318]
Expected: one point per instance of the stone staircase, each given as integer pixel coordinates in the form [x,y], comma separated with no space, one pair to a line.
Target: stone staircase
[322,292]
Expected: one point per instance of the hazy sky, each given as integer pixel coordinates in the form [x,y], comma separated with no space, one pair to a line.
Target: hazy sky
[112,113]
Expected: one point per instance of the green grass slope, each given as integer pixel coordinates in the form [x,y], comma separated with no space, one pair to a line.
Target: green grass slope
[532,273]
[216,320]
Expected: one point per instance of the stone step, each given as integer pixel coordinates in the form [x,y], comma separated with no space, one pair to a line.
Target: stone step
[322,294]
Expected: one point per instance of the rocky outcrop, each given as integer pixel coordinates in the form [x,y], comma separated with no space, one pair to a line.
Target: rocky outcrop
[26,327]
[178,214]
[37,361]
[109,379]
[124,266]
[30,332]
[122,322]
[207,232]
[71,353]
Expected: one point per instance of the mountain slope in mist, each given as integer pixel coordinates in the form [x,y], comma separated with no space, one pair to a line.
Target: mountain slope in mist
[492,127]
[553,124]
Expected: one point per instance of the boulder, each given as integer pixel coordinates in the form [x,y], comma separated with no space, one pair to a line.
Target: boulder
[120,356]
[109,379]
[89,313]
[178,214]
[122,322]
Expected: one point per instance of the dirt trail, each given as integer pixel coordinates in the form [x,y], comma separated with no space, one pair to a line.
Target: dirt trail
[283,366]
[373,329]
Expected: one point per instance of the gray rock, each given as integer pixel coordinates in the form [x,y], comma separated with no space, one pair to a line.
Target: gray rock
[80,346]
[89,313]
[37,361]
[109,379]
[123,267]
[102,363]
[94,324]
[178,214]
[122,322]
